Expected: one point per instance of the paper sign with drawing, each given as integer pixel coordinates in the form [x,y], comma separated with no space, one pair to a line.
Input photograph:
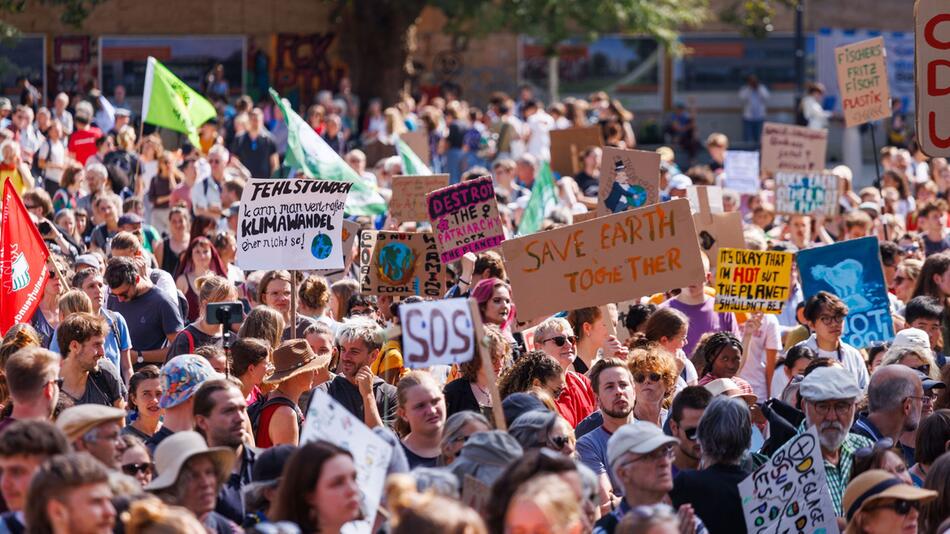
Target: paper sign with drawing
[400,264]
[628,179]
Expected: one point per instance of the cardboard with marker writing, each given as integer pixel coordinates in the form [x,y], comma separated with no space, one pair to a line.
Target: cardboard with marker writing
[629,179]
[408,202]
[714,228]
[400,264]
[568,144]
[807,194]
[350,232]
[419,143]
[862,81]
[608,259]
[752,280]
[465,218]
[931,57]
[786,147]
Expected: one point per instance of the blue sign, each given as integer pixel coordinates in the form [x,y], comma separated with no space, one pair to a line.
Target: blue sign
[851,270]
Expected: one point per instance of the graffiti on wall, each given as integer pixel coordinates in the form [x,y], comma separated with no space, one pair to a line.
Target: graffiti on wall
[302,65]
[74,68]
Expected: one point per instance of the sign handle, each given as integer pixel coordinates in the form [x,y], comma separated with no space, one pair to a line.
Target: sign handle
[877,163]
[293,304]
[482,348]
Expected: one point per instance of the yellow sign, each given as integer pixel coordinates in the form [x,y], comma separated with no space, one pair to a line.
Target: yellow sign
[752,281]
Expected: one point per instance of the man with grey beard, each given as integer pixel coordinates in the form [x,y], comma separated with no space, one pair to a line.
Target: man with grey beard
[829,396]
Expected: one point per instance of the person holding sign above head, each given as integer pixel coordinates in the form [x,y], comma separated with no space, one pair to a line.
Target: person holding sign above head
[274,291]
[365,395]
[593,336]
[556,338]
[276,418]
[421,414]
[471,390]
[825,315]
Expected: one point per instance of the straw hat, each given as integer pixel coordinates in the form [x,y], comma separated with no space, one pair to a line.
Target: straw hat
[875,485]
[175,450]
[293,358]
[730,388]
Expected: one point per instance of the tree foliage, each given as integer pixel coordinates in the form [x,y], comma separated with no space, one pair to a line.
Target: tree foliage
[753,17]
[74,12]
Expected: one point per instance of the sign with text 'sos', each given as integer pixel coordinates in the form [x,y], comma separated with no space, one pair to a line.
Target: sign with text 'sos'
[608,259]
[752,280]
[400,264]
[291,224]
[806,194]
[932,74]
[465,218]
[862,81]
[439,332]
[786,147]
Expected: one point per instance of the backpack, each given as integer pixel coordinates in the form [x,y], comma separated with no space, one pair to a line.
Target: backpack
[800,118]
[256,409]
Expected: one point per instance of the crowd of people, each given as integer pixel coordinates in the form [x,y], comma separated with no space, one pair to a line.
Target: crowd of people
[125,409]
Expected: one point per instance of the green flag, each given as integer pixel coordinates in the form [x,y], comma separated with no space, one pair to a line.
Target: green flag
[543,195]
[412,165]
[309,153]
[169,102]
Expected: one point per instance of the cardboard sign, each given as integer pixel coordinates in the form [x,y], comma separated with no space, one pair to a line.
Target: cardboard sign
[419,143]
[608,259]
[629,179]
[291,224]
[351,230]
[742,171]
[327,420]
[806,194]
[932,58]
[568,144]
[400,264]
[862,81]
[465,218]
[752,281]
[409,196]
[714,228]
[790,492]
[851,270]
[376,150]
[786,147]
[439,332]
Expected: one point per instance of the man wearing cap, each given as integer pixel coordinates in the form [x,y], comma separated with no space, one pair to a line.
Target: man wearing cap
[122,118]
[31,376]
[24,445]
[190,474]
[640,457]
[829,395]
[276,420]
[70,494]
[220,415]
[94,428]
[88,377]
[180,378]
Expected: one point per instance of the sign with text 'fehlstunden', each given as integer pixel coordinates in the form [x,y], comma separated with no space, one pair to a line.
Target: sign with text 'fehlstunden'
[862,81]
[752,280]
[465,218]
[806,194]
[608,259]
[291,224]
[438,332]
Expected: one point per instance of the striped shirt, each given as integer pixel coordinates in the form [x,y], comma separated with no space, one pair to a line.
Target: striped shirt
[839,475]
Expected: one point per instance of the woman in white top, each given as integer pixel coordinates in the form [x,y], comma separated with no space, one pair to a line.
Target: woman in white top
[812,109]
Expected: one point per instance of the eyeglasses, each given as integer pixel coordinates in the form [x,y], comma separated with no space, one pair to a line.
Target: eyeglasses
[829,320]
[882,444]
[134,469]
[840,408]
[558,442]
[561,340]
[665,451]
[690,433]
[642,377]
[900,506]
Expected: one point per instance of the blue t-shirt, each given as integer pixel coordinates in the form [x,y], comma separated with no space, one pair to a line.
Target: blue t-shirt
[150,318]
[592,450]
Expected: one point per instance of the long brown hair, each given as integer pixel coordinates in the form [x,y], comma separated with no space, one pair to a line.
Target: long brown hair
[934,265]
[299,479]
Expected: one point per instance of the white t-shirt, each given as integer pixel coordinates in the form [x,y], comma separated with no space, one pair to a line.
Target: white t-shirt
[779,382]
[55,153]
[849,356]
[539,142]
[765,338]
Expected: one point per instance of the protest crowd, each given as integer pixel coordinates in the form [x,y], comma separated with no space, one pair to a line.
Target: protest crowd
[528,323]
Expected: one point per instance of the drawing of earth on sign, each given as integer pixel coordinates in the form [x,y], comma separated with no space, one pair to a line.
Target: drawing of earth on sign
[321,246]
[395,263]
[846,277]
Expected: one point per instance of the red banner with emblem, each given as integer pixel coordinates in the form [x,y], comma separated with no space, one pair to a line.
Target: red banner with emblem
[23,262]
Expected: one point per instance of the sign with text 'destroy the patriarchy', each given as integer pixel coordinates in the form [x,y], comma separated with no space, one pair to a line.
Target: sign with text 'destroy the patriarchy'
[465,218]
[618,257]
[291,224]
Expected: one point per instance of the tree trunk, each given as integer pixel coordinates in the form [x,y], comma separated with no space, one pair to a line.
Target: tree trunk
[375,43]
[553,79]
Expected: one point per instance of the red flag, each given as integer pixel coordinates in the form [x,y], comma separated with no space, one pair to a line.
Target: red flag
[23,257]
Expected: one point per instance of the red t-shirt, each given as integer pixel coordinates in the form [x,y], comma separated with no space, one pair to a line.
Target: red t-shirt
[83,143]
[577,401]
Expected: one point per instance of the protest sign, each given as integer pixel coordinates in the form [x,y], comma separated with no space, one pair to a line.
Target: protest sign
[400,264]
[419,143]
[291,224]
[790,492]
[438,332]
[351,230]
[752,281]
[628,179]
[851,270]
[786,147]
[742,171]
[465,218]
[568,144]
[932,45]
[806,194]
[608,259]
[327,420]
[862,81]
[408,202]
[581,217]
[714,228]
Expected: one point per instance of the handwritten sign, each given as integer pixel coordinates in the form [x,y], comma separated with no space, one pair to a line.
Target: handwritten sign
[400,264]
[408,202]
[609,259]
[793,148]
[932,45]
[714,228]
[419,143]
[437,333]
[568,144]
[851,270]
[628,179]
[862,81]
[806,194]
[291,224]
[465,218]
[327,420]
[790,492]
[742,171]
[752,281]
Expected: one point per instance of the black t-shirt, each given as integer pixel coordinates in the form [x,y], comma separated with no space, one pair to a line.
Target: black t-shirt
[456,135]
[459,397]
[347,394]
[588,185]
[157,438]
[418,461]
[255,153]
[151,317]
[190,339]
[102,386]
[714,494]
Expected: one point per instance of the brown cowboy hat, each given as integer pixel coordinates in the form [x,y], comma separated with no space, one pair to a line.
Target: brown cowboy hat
[294,357]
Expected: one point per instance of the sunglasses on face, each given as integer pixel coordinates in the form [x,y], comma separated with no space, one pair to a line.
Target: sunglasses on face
[134,469]
[561,340]
[881,445]
[642,377]
[558,442]
[900,506]
[690,433]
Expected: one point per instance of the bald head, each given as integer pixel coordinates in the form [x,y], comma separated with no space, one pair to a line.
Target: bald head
[890,386]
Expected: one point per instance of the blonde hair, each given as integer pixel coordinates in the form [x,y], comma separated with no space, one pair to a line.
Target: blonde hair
[415,512]
[214,288]
[407,382]
[552,326]
[264,323]
[554,497]
[152,516]
[74,301]
[126,138]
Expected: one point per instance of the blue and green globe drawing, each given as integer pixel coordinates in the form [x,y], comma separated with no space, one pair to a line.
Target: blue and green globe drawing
[636,196]
[395,263]
[321,246]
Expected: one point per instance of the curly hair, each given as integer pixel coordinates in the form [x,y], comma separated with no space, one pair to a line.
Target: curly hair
[709,348]
[652,358]
[498,348]
[535,364]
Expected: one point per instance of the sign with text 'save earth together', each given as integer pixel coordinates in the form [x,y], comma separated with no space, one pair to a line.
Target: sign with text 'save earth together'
[608,259]
[806,194]
[932,74]
[465,218]
[408,202]
[439,332]
[786,147]
[752,280]
[862,81]
[400,264]
[291,224]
